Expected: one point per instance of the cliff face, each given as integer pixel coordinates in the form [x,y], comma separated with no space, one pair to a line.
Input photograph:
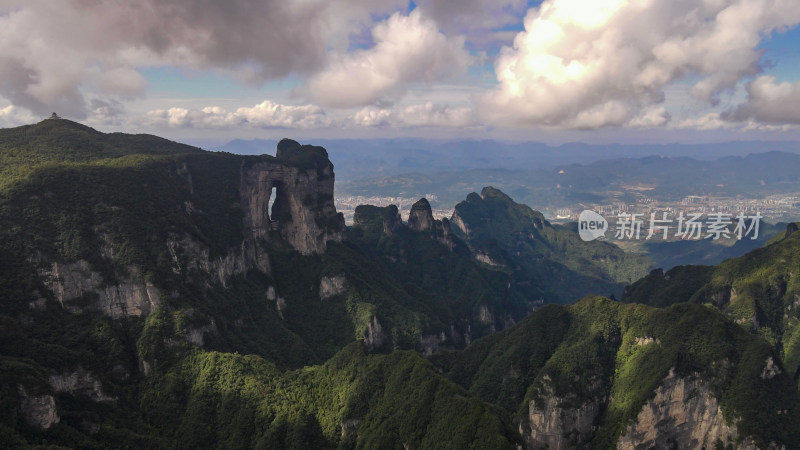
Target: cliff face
[73,283]
[683,414]
[504,233]
[421,217]
[288,198]
[303,209]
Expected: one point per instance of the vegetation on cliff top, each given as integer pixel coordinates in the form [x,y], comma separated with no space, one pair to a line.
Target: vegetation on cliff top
[759,290]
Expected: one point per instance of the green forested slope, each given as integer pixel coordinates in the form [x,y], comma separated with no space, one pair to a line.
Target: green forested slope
[758,290]
[364,345]
[554,257]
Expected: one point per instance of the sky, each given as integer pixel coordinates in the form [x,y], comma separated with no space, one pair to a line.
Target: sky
[206,71]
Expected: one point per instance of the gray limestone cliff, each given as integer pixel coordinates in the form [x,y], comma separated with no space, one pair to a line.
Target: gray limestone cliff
[79,383]
[330,286]
[682,414]
[303,210]
[556,423]
[78,288]
[373,335]
[288,198]
[38,411]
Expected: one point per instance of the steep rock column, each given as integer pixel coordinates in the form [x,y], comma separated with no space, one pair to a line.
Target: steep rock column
[421,217]
[304,208]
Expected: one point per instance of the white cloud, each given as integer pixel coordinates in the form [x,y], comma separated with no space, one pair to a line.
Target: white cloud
[589,64]
[721,121]
[407,49]
[769,102]
[707,122]
[11,116]
[420,115]
[265,114]
[53,53]
[651,118]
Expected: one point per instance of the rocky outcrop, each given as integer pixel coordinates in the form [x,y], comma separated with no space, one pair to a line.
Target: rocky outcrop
[459,223]
[373,335]
[39,411]
[280,302]
[349,427]
[79,382]
[303,213]
[392,220]
[551,425]
[78,288]
[331,286]
[190,256]
[683,414]
[197,335]
[430,343]
[790,229]
[376,219]
[421,217]
[485,258]
[770,370]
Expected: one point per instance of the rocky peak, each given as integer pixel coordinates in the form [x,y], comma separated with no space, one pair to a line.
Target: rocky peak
[303,213]
[376,219]
[447,232]
[790,229]
[285,146]
[421,217]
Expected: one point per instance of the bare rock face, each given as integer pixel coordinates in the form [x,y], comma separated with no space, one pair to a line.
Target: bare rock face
[304,211]
[197,335]
[330,286]
[421,217]
[392,222]
[128,297]
[190,256]
[430,343]
[39,411]
[79,382]
[683,414]
[376,219]
[790,229]
[550,425]
[373,336]
[487,259]
[459,223]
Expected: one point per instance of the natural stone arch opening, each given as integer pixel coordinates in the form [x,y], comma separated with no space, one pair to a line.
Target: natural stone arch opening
[278,209]
[273,193]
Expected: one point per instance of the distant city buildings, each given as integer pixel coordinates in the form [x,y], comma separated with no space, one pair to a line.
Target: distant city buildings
[774,208]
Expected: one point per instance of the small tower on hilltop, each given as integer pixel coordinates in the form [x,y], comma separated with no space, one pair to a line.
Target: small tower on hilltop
[55,116]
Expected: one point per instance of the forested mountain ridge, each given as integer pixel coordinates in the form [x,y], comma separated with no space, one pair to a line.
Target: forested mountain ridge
[554,257]
[152,298]
[759,290]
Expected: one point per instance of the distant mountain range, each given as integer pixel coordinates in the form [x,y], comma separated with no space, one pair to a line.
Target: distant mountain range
[397,156]
[606,181]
